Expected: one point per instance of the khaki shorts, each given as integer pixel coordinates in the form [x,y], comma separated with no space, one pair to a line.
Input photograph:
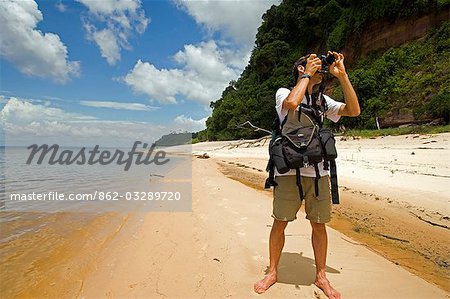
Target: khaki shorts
[287,202]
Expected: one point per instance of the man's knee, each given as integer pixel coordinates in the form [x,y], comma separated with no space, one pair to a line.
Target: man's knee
[279,226]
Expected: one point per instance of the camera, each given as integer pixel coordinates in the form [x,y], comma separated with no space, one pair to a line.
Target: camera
[327,60]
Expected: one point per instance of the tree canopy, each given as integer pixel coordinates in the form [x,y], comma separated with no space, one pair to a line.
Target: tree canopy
[413,76]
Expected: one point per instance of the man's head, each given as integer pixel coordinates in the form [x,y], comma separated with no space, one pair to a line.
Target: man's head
[299,69]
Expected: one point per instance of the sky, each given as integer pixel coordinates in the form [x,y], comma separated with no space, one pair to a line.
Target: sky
[113,71]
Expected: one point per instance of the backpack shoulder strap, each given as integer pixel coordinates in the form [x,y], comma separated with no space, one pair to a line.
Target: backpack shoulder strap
[282,124]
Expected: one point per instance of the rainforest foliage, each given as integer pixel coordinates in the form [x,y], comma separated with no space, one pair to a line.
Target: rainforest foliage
[413,76]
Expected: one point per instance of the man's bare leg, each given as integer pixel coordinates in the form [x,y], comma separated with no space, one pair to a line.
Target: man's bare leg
[276,243]
[319,243]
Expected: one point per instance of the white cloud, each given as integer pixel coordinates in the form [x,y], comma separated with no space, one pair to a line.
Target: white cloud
[22,111]
[238,20]
[204,73]
[120,19]
[190,124]
[206,60]
[107,43]
[25,122]
[60,7]
[207,68]
[52,98]
[33,52]
[118,105]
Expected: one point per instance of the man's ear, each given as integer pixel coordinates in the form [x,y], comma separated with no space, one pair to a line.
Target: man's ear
[301,69]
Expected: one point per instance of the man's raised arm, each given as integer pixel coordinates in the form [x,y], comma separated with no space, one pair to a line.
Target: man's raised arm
[351,106]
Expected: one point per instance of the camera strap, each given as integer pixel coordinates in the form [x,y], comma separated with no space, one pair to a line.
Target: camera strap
[318,109]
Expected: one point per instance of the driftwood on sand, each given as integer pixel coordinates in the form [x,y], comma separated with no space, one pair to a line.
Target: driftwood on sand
[249,143]
[246,143]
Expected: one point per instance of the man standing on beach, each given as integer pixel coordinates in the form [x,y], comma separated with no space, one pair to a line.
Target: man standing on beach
[286,203]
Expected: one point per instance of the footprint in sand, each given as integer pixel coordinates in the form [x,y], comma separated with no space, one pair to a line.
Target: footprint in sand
[242,234]
[244,218]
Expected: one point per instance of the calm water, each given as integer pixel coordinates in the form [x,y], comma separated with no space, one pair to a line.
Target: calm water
[41,237]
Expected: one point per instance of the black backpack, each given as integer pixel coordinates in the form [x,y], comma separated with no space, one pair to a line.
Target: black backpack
[304,146]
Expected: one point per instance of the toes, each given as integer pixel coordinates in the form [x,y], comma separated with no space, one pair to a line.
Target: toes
[257,287]
[335,294]
[328,290]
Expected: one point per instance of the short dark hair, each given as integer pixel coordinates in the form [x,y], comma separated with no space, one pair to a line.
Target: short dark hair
[300,61]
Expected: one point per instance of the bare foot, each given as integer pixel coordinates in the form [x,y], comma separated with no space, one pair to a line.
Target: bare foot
[325,286]
[264,284]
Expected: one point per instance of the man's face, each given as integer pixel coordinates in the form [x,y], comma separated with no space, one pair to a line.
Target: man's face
[316,79]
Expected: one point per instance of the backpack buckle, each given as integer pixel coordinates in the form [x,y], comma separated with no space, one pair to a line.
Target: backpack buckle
[305,162]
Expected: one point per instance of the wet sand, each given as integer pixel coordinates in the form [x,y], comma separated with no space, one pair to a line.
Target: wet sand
[54,251]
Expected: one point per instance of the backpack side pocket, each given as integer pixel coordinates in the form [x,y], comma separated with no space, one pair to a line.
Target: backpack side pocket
[328,144]
[278,156]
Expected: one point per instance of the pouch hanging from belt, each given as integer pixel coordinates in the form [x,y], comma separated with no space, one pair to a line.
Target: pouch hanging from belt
[270,181]
[299,183]
[334,182]
[316,181]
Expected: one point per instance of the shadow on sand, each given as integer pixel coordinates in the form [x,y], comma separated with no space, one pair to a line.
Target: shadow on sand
[296,269]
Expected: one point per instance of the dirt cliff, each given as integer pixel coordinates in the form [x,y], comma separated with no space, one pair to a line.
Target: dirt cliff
[385,33]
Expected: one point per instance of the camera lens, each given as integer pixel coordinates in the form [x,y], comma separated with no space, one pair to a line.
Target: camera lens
[330,59]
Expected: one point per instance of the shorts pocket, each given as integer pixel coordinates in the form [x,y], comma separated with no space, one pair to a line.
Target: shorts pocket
[287,188]
[324,188]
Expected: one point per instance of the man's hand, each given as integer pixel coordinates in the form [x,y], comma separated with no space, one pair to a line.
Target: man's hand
[313,64]
[337,68]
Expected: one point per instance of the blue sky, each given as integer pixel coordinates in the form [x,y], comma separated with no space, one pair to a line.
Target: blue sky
[113,70]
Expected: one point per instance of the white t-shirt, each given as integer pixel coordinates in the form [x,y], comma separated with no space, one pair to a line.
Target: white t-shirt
[331,114]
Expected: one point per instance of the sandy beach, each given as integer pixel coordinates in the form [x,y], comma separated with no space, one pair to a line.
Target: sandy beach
[389,238]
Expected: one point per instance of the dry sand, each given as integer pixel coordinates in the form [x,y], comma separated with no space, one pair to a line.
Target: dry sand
[221,248]
[389,237]
[394,194]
